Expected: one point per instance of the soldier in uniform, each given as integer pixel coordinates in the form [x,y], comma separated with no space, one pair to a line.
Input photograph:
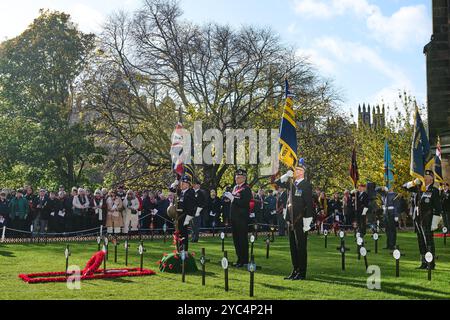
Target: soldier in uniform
[240,205]
[362,207]
[299,217]
[427,211]
[281,210]
[200,205]
[445,196]
[390,214]
[187,205]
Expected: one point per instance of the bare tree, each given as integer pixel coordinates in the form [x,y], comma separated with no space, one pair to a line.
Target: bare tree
[225,77]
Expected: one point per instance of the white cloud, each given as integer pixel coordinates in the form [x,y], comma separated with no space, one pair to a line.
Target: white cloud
[333,55]
[312,8]
[16,16]
[408,26]
[328,9]
[348,52]
[325,65]
[89,19]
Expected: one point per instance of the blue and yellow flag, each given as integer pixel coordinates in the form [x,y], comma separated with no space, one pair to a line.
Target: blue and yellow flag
[288,133]
[388,166]
[189,170]
[420,149]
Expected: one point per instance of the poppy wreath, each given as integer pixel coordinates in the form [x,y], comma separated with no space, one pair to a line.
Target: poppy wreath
[172,263]
[94,263]
[46,277]
[90,272]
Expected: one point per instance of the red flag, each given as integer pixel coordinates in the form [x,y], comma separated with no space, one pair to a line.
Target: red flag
[176,150]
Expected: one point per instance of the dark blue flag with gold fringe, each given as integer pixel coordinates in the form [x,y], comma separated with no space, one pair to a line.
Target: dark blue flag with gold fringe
[420,149]
[288,133]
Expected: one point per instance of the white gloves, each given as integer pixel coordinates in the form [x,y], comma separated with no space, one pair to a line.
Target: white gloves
[412,184]
[174,184]
[284,213]
[228,195]
[435,222]
[154,212]
[408,185]
[396,219]
[187,220]
[365,211]
[385,189]
[286,176]
[307,224]
[197,213]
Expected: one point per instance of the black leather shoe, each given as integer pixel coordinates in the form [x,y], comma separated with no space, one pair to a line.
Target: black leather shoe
[299,276]
[237,265]
[293,274]
[422,266]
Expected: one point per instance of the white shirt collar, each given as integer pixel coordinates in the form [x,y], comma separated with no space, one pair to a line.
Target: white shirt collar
[299,180]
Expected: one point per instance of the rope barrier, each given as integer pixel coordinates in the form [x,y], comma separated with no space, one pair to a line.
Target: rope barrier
[87,233]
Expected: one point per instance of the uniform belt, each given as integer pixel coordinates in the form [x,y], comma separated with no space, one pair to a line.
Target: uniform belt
[389,208]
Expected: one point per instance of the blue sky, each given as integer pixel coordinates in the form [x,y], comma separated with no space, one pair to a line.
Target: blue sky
[369,48]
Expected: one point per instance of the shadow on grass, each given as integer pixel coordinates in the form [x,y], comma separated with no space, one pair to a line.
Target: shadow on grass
[7,254]
[118,280]
[400,289]
[272,286]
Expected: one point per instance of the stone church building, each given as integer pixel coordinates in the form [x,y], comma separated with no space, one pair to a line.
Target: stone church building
[437,53]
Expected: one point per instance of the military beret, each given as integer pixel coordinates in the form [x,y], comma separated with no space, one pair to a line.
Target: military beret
[240,172]
[186,178]
[301,163]
[363,185]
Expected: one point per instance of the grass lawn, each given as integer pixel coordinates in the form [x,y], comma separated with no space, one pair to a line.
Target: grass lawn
[326,280]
